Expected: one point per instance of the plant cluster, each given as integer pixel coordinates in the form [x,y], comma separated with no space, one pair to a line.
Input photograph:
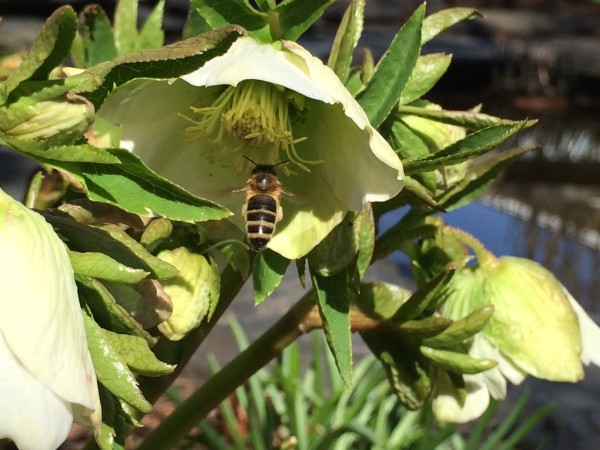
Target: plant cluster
[132,240]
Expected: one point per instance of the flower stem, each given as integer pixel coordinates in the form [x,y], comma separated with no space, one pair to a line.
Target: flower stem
[297,321]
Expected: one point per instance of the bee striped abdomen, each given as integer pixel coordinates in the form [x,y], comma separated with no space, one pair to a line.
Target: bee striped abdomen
[261,217]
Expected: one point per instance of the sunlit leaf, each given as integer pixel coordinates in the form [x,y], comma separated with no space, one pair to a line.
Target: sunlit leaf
[393,71]
[334,308]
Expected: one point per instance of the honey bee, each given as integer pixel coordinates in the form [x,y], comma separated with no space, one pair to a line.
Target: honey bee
[262,208]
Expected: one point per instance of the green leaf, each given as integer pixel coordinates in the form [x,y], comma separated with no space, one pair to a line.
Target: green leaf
[297,16]
[97,36]
[136,353]
[110,240]
[424,297]
[194,24]
[110,368]
[237,256]
[334,309]
[146,302]
[152,34]
[135,188]
[423,328]
[64,153]
[98,265]
[364,236]
[166,62]
[459,363]
[88,212]
[462,329]
[48,50]
[346,39]
[336,251]
[475,144]
[439,21]
[393,71]
[479,177]
[381,300]
[408,372]
[125,26]
[427,72]
[268,271]
[156,230]
[218,14]
[108,438]
[107,312]
[414,187]
[469,119]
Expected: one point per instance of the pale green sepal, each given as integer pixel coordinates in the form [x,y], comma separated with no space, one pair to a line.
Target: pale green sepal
[57,121]
[533,323]
[194,292]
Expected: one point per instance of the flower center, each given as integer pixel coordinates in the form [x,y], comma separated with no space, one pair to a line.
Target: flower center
[254,117]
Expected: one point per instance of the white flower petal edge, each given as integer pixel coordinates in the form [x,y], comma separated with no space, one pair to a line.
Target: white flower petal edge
[590,334]
[446,406]
[30,414]
[40,317]
[299,71]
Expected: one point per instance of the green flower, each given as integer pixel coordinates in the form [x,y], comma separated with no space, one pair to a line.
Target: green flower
[47,378]
[270,103]
[537,329]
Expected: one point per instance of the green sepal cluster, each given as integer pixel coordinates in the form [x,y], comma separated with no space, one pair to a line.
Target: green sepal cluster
[413,342]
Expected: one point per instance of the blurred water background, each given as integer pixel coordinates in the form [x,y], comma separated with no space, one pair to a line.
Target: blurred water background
[536,59]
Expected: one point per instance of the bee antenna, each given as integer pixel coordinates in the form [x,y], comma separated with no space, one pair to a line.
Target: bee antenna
[250,160]
[281,163]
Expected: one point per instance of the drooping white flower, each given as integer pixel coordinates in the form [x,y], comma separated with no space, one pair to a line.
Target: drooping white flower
[537,329]
[46,373]
[270,103]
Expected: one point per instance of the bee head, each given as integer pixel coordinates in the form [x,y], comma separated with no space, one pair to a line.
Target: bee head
[265,168]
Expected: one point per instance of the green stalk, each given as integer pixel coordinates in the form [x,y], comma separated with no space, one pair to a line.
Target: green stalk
[298,320]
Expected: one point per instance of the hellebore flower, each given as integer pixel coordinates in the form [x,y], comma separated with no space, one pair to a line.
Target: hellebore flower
[270,103]
[46,375]
[537,329]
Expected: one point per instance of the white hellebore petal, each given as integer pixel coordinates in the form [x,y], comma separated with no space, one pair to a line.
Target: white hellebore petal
[46,375]
[271,103]
[447,405]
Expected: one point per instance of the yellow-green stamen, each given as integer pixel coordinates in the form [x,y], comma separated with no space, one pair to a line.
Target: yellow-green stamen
[253,116]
